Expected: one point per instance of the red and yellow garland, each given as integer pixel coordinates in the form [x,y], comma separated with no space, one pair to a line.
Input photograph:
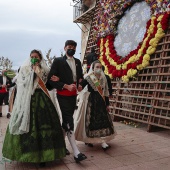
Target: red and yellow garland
[138,59]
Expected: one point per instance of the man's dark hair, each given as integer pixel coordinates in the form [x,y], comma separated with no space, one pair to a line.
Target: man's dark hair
[70,42]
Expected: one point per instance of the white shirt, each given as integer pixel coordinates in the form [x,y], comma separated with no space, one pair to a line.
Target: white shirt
[72,64]
[4,80]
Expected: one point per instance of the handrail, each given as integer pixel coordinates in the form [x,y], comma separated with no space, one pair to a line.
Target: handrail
[82,7]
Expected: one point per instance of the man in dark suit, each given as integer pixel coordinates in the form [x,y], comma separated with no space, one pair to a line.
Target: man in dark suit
[69,71]
[5,84]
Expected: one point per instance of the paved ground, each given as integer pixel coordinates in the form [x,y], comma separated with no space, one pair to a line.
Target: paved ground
[132,149]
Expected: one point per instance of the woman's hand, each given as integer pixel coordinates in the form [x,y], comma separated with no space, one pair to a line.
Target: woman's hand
[34,67]
[80,88]
[54,78]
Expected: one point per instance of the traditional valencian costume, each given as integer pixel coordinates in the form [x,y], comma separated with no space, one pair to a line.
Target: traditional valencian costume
[69,71]
[34,133]
[92,121]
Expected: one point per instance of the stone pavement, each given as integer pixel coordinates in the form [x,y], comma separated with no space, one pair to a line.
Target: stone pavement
[132,149]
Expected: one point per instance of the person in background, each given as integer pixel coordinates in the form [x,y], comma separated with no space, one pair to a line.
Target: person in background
[5,84]
[91,57]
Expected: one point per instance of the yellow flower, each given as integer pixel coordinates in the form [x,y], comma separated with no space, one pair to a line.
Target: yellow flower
[131,72]
[140,67]
[150,50]
[125,79]
[159,35]
[124,66]
[145,63]
[159,25]
[146,57]
[160,18]
[118,67]
[150,30]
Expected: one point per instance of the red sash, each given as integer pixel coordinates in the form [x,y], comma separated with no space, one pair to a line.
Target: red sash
[3,90]
[66,92]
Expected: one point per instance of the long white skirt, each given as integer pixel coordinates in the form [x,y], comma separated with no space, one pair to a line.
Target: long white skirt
[79,122]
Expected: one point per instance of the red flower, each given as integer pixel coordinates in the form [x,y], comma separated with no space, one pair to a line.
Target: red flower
[114,73]
[144,50]
[119,61]
[119,73]
[164,21]
[124,72]
[133,65]
[148,24]
[147,43]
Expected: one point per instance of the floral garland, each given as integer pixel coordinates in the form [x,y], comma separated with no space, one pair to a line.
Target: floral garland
[139,58]
[110,11]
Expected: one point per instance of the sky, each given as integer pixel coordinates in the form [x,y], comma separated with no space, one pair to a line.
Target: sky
[36,24]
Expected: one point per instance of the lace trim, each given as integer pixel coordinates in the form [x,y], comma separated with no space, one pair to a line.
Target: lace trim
[89,80]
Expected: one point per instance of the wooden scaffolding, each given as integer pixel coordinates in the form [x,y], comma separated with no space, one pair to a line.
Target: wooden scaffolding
[146,99]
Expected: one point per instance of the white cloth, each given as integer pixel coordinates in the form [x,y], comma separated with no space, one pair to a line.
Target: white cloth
[4,80]
[20,119]
[72,64]
[14,80]
[54,99]
[71,138]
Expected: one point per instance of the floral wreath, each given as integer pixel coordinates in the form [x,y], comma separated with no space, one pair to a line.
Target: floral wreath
[138,59]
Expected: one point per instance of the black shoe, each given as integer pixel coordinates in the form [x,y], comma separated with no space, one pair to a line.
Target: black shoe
[42,164]
[0,114]
[89,144]
[106,148]
[80,157]
[67,152]
[8,115]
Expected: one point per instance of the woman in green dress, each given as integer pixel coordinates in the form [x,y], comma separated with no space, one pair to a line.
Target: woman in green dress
[34,133]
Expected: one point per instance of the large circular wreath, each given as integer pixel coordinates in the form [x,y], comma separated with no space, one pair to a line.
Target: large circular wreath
[138,59]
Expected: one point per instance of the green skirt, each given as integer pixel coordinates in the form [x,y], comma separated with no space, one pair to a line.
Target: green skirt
[44,142]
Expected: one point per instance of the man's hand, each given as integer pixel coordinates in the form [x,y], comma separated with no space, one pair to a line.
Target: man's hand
[54,78]
[71,87]
[3,86]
